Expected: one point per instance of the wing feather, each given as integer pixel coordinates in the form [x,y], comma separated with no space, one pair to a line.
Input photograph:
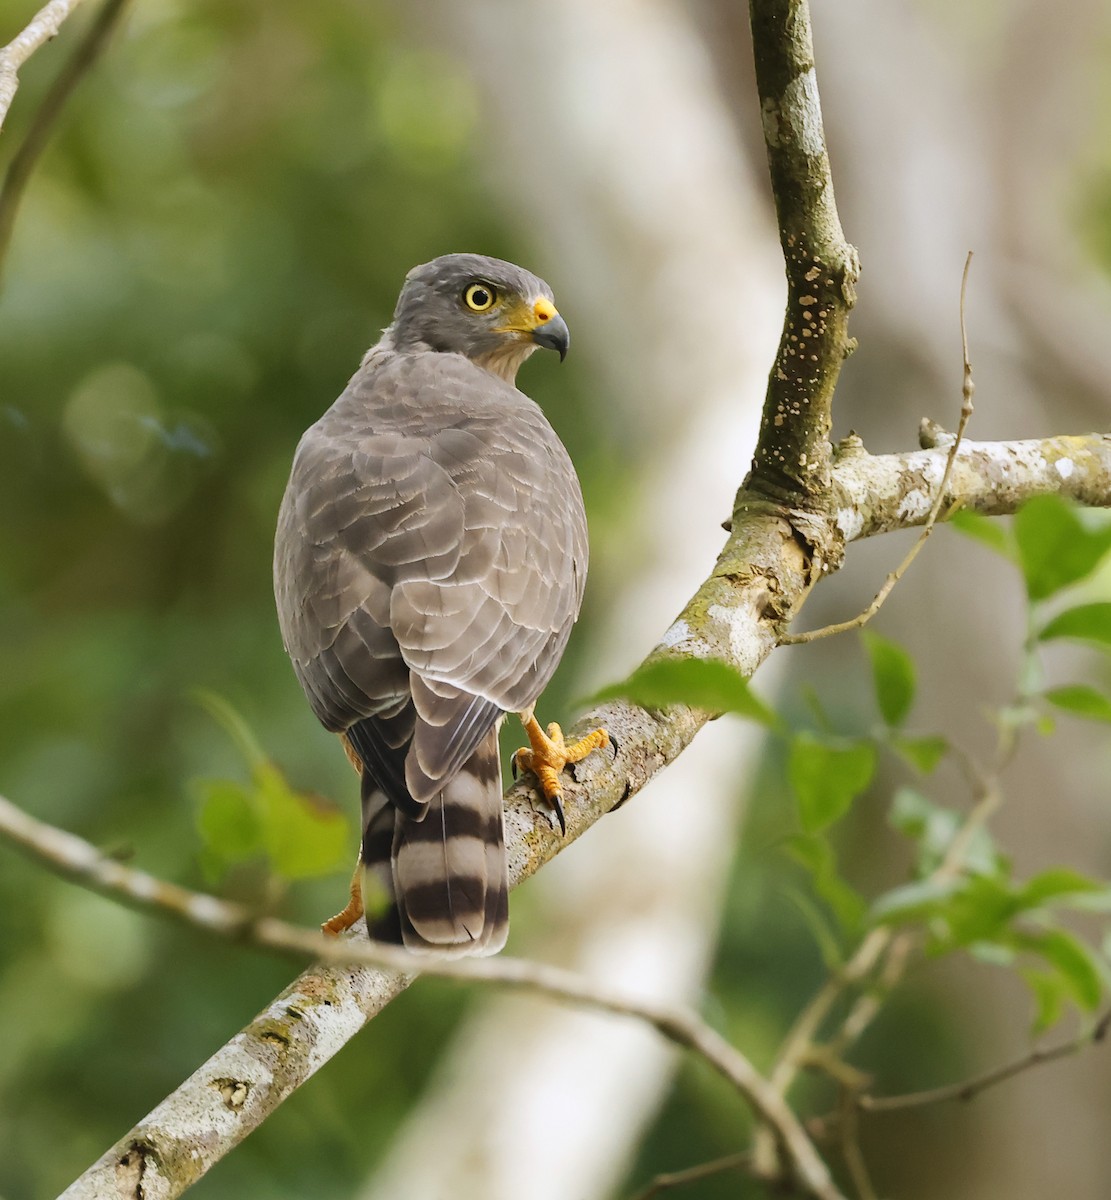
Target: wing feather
[431,542]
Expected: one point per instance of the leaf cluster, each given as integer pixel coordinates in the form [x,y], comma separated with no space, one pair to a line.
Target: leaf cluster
[962,895]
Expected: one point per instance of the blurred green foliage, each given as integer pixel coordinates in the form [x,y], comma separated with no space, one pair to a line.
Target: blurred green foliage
[1051,930]
[705,683]
[217,232]
[296,834]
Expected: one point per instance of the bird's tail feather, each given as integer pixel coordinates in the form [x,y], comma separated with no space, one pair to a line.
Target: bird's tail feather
[439,884]
[377,876]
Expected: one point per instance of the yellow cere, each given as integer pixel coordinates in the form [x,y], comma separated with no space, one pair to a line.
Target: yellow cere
[543,310]
[520,318]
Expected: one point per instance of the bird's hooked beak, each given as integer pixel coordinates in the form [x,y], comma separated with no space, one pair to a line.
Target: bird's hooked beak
[553,333]
[542,324]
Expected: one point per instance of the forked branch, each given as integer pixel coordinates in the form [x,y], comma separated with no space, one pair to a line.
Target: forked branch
[968,388]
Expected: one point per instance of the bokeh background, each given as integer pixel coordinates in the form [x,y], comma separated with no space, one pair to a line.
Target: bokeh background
[217,232]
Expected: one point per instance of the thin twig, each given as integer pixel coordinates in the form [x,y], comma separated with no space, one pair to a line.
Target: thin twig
[980,1083]
[797,1047]
[42,27]
[895,955]
[896,951]
[73,857]
[850,1146]
[706,1170]
[882,945]
[38,132]
[861,619]
[799,1041]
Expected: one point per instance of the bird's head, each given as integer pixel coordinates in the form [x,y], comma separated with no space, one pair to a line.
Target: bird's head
[491,311]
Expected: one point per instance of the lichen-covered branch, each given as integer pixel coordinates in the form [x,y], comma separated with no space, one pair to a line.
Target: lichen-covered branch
[792,459]
[42,27]
[881,493]
[893,577]
[172,1149]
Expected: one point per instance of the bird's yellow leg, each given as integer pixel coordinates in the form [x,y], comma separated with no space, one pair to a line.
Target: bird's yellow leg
[336,925]
[352,754]
[547,754]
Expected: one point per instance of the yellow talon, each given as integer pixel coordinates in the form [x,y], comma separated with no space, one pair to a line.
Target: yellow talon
[547,755]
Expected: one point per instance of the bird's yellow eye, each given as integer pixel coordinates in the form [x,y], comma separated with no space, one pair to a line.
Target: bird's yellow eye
[479,297]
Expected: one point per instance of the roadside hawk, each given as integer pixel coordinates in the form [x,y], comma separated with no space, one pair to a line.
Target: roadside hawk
[429,563]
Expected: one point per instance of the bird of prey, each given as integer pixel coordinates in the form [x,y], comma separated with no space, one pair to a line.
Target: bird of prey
[429,563]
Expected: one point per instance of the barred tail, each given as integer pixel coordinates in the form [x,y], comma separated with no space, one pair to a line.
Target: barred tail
[440,884]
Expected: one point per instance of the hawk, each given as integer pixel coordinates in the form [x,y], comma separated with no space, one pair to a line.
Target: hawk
[429,563]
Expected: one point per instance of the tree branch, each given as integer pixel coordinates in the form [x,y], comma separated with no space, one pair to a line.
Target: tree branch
[792,458]
[78,860]
[706,1170]
[980,1083]
[862,618]
[43,26]
[875,494]
[35,140]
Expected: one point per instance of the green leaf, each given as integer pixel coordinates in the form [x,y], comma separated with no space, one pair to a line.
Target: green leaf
[300,834]
[893,675]
[1081,700]
[1060,885]
[980,912]
[995,954]
[823,933]
[923,753]
[933,828]
[916,901]
[1045,725]
[227,821]
[912,814]
[1072,960]
[1058,543]
[826,777]
[1049,992]
[705,683]
[987,530]
[958,912]
[1086,623]
[303,835]
[816,855]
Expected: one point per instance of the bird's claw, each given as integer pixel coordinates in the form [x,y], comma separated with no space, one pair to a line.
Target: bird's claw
[546,756]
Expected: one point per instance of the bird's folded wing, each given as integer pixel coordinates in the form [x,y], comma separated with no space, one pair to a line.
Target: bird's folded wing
[440,553]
